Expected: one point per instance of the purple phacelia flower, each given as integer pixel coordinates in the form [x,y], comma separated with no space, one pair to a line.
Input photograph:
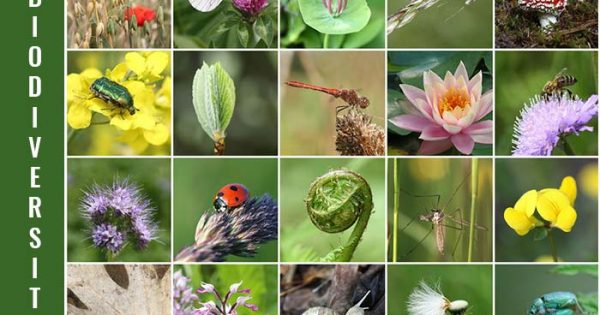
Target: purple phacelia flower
[544,122]
[107,236]
[119,213]
[250,8]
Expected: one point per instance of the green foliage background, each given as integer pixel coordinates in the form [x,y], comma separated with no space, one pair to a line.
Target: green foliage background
[472,283]
[301,241]
[154,177]
[443,177]
[296,34]
[260,279]
[253,127]
[448,24]
[518,286]
[197,181]
[522,75]
[408,68]
[512,182]
[308,117]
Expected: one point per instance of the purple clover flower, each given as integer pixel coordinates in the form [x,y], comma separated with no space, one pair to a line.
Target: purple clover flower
[106,235]
[250,8]
[544,122]
[119,213]
[183,295]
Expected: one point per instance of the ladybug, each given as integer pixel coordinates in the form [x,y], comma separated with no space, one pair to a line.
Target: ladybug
[230,196]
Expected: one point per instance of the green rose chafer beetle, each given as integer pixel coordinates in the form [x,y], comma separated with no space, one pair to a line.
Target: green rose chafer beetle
[113,93]
[555,303]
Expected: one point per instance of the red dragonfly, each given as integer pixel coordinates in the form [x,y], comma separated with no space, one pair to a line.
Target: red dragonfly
[351,97]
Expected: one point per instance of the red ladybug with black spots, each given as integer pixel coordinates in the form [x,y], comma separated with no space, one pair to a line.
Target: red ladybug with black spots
[230,196]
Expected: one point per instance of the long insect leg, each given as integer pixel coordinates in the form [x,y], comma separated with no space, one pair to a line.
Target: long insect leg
[437,196]
[418,244]
[460,233]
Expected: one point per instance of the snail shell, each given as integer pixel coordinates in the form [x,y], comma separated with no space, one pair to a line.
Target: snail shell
[319,311]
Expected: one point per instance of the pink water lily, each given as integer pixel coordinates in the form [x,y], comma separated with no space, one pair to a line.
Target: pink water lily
[448,112]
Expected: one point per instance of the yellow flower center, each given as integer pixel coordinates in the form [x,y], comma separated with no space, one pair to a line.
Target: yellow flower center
[454,99]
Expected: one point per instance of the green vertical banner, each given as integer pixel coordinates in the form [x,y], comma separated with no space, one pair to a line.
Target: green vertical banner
[33,157]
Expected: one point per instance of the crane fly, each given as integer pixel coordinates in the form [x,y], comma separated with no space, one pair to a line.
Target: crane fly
[351,97]
[440,220]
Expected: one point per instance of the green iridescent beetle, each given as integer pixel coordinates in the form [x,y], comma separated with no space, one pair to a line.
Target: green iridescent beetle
[555,303]
[113,93]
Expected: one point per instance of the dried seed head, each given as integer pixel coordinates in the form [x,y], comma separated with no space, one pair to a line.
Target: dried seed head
[357,135]
[90,7]
[99,29]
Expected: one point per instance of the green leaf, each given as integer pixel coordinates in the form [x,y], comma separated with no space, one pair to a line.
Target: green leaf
[373,29]
[243,33]
[183,41]
[269,25]
[589,302]
[213,95]
[571,270]
[354,18]
[260,29]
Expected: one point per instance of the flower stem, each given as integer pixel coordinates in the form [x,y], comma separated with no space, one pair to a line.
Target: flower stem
[395,224]
[552,246]
[326,41]
[474,188]
[567,147]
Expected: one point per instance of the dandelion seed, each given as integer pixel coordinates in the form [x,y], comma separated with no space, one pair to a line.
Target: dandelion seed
[427,301]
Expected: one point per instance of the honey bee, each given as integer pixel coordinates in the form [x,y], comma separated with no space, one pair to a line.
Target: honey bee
[558,85]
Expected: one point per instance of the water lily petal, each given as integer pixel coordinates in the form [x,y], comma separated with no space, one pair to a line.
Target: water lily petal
[417,98]
[452,129]
[518,221]
[463,143]
[474,85]
[566,219]
[461,72]
[481,132]
[433,133]
[434,147]
[550,203]
[485,104]
[411,122]
[527,202]
[569,188]
[449,81]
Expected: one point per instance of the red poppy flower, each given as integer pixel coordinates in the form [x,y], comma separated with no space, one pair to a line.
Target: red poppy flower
[142,14]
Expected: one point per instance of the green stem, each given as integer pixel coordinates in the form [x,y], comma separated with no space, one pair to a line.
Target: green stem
[474,188]
[567,147]
[360,227]
[395,224]
[552,246]
[326,41]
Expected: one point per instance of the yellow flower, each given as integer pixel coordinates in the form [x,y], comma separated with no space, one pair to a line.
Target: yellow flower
[556,205]
[139,73]
[147,66]
[520,218]
[553,205]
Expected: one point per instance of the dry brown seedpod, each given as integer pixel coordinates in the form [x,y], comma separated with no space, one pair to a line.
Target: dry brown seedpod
[354,310]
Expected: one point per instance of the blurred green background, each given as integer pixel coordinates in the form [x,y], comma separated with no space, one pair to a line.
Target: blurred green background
[154,178]
[260,279]
[297,34]
[443,177]
[518,286]
[448,24]
[582,242]
[408,67]
[472,283]
[253,127]
[308,117]
[522,75]
[302,241]
[196,182]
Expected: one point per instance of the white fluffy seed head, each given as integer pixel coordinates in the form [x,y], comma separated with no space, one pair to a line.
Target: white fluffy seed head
[458,305]
[427,301]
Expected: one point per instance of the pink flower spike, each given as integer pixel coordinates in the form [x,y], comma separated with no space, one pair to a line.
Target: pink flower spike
[234,287]
[206,288]
[252,307]
[245,291]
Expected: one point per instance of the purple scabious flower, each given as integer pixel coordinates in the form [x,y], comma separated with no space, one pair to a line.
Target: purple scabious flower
[107,236]
[251,8]
[119,213]
[544,122]
[183,295]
